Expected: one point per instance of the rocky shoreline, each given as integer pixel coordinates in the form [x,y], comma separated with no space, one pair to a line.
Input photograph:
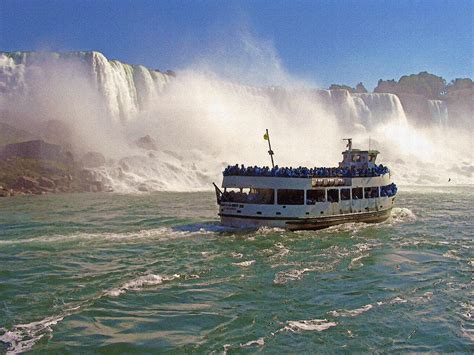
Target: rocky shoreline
[39,168]
[26,185]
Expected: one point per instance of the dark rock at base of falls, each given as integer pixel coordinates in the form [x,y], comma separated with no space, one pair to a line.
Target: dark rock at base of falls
[93,160]
[147,143]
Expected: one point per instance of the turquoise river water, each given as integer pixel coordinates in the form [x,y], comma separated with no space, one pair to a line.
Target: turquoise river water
[156,273]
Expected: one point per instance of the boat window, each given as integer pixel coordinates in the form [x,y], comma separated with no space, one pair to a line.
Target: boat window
[345,194]
[290,197]
[317,195]
[333,195]
[357,193]
[371,192]
[356,158]
[249,195]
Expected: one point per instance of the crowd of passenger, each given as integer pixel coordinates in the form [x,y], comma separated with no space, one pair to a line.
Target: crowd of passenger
[303,172]
[389,190]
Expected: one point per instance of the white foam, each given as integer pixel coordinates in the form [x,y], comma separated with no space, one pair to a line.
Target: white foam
[347,227]
[259,342]
[397,300]
[351,313]
[452,254]
[283,277]
[467,323]
[244,263]
[139,283]
[156,233]
[268,230]
[22,337]
[283,251]
[309,325]
[356,263]
[401,215]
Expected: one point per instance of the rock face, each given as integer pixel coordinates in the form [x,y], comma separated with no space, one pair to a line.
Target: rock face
[147,143]
[37,149]
[93,160]
[45,182]
[36,168]
[25,183]
[90,181]
[10,134]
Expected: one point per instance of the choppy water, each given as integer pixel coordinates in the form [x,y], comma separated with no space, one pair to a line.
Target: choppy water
[149,273]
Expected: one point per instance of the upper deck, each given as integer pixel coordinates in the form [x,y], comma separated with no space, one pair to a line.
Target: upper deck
[236,181]
[357,166]
[302,177]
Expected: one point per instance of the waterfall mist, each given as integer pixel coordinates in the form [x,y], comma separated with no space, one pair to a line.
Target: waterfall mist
[203,120]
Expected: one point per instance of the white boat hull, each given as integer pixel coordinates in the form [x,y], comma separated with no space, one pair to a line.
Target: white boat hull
[304,223]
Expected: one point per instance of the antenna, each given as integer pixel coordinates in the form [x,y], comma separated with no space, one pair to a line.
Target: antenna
[369,142]
[266,136]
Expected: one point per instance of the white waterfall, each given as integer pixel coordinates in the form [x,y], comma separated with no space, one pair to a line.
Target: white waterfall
[200,122]
[439,112]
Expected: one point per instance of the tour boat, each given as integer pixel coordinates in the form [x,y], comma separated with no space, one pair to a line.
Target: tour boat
[358,190]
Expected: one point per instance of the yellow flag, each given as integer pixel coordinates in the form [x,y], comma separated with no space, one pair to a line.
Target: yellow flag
[265,136]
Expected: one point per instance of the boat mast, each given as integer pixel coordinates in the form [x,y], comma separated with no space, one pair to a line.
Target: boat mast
[270,151]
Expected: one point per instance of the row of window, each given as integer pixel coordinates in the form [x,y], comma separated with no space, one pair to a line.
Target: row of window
[297,197]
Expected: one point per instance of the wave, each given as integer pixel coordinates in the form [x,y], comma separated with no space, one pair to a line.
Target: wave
[162,233]
[245,263]
[259,342]
[139,283]
[467,321]
[309,325]
[356,263]
[22,337]
[283,277]
[352,312]
[401,215]
[319,325]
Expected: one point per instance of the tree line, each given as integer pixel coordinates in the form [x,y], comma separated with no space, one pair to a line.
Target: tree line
[428,85]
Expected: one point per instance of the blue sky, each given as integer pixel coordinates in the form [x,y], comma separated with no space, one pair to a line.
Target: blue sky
[322,41]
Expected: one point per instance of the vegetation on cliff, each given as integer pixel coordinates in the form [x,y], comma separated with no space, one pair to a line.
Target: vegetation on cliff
[430,86]
[359,89]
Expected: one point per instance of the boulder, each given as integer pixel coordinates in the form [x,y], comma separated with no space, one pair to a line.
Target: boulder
[37,149]
[26,183]
[45,182]
[87,175]
[146,142]
[45,189]
[97,186]
[93,160]
[142,188]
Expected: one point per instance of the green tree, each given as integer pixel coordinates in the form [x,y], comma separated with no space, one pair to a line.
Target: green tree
[423,83]
[460,84]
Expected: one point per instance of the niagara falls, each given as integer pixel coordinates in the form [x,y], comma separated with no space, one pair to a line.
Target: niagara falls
[171,177]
